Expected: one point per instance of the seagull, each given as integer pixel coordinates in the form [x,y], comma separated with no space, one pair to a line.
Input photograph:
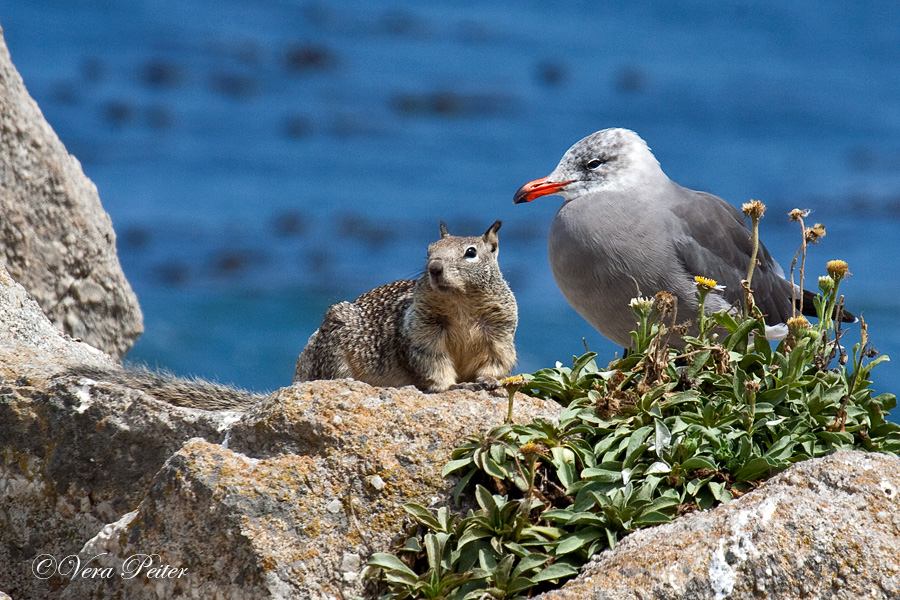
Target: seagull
[626,230]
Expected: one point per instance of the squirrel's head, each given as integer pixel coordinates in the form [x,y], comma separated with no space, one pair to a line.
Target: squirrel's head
[463,264]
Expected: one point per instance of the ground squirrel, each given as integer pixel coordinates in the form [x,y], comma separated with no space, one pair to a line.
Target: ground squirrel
[454,324]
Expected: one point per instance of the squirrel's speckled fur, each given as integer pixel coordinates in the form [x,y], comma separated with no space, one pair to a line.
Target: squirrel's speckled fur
[455,324]
[190,393]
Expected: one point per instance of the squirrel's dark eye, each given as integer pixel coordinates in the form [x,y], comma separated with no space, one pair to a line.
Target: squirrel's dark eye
[594,163]
[471,252]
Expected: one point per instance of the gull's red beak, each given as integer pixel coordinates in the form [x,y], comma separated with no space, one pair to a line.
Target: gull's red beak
[537,188]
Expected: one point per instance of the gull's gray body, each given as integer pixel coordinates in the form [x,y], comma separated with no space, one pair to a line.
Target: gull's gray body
[626,230]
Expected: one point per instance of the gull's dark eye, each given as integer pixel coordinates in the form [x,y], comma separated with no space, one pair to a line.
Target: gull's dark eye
[471,252]
[594,163]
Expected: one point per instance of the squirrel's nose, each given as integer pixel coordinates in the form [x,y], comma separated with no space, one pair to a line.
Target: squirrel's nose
[436,268]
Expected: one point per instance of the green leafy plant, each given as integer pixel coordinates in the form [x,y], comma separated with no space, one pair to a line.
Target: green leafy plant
[657,433]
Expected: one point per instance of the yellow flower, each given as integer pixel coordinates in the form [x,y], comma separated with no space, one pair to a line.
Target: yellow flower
[705,283]
[514,381]
[530,449]
[797,324]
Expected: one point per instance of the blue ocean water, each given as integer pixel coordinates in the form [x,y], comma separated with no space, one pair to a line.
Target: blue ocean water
[262,160]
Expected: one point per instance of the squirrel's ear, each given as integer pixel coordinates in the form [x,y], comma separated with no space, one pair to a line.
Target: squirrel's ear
[490,236]
[444,232]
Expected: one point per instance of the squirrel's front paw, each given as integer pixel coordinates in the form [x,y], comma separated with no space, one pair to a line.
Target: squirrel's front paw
[483,384]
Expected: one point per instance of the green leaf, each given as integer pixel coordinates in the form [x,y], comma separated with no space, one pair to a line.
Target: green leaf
[652,518]
[602,475]
[839,439]
[658,467]
[455,465]
[564,461]
[530,562]
[611,537]
[756,468]
[575,541]
[662,438]
[492,468]
[434,549]
[738,337]
[485,499]
[725,320]
[555,572]
[473,534]
[461,485]
[719,492]
[782,449]
[389,562]
[636,445]
[583,361]
[699,462]
[422,515]
[693,486]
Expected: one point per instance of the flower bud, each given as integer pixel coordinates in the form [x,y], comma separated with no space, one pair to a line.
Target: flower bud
[797,325]
[640,303]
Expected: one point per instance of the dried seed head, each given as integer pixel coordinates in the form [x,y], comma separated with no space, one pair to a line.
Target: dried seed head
[798,214]
[751,386]
[681,329]
[838,269]
[608,405]
[812,234]
[665,303]
[754,209]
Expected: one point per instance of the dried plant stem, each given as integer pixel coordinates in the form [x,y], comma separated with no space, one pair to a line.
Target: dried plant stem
[798,307]
[748,291]
[755,250]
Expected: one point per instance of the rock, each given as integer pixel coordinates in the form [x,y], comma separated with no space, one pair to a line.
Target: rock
[74,454]
[282,501]
[31,348]
[55,237]
[291,498]
[827,528]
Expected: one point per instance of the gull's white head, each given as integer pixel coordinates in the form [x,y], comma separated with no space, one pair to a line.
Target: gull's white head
[608,160]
